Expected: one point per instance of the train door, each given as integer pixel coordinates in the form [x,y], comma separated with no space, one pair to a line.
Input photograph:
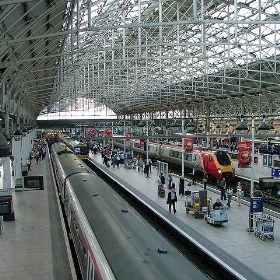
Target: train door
[197,161]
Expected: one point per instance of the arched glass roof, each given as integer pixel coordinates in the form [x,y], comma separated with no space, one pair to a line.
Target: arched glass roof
[134,57]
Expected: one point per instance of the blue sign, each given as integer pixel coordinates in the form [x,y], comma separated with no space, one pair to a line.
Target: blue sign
[127,156]
[275,173]
[256,205]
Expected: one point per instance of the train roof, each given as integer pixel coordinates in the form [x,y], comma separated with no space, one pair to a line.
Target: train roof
[61,148]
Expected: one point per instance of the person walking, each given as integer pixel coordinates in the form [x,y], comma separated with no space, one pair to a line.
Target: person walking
[171,200]
[239,193]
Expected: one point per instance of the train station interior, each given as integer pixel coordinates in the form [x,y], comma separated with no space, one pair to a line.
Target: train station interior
[155,69]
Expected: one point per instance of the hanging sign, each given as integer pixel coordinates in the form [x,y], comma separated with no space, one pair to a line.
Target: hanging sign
[244,154]
[188,144]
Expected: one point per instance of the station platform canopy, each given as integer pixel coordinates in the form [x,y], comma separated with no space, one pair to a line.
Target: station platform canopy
[136,59]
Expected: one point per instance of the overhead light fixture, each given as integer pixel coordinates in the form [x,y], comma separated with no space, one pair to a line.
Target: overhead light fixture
[241,126]
[264,126]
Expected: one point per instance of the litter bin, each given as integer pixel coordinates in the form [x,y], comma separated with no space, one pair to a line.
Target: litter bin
[181,186]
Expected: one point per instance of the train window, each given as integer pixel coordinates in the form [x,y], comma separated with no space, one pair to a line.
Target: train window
[188,157]
[175,154]
[276,163]
[171,153]
[179,155]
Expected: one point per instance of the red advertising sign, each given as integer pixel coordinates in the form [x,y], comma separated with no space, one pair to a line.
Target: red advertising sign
[128,134]
[92,131]
[188,144]
[108,132]
[141,143]
[244,154]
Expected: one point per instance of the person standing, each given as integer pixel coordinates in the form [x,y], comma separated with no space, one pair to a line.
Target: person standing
[194,176]
[205,179]
[159,184]
[150,165]
[229,195]
[239,193]
[169,180]
[162,179]
[147,169]
[28,162]
[223,189]
[171,200]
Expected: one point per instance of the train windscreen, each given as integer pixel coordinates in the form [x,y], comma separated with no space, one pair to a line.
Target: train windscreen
[223,158]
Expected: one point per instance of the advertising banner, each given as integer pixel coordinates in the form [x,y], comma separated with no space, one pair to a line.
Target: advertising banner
[92,131]
[108,132]
[141,143]
[188,144]
[128,135]
[244,154]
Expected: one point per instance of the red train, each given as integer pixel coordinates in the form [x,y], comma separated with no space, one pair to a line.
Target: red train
[217,164]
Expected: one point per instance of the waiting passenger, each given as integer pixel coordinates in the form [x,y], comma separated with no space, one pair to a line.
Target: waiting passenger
[239,193]
[159,184]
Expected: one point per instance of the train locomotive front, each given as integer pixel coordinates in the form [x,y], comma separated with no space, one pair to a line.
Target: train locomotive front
[218,165]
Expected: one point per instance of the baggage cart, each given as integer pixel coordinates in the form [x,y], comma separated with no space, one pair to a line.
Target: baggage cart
[196,203]
[128,163]
[264,227]
[216,216]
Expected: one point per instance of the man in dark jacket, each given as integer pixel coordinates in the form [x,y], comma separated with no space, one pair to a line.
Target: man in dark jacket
[172,199]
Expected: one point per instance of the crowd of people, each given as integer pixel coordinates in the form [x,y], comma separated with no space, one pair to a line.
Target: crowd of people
[114,157]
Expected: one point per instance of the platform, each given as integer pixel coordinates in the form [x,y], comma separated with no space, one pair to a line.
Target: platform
[32,246]
[232,238]
[246,172]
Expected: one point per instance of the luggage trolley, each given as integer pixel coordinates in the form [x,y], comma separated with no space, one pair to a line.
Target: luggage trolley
[264,227]
[197,203]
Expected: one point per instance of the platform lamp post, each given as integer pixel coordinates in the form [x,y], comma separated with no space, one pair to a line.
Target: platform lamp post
[17,158]
[4,149]
[7,164]
[242,127]
[25,150]
[182,125]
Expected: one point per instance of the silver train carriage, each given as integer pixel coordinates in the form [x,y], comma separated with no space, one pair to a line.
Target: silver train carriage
[111,242]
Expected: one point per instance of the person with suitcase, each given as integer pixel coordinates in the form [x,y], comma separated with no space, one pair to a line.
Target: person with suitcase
[169,180]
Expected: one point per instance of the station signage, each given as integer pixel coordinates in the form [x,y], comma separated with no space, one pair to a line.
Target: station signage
[256,205]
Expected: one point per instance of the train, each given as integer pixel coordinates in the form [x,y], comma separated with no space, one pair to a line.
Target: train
[111,239]
[80,148]
[217,164]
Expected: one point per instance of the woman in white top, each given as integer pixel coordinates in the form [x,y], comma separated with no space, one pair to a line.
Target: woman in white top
[239,193]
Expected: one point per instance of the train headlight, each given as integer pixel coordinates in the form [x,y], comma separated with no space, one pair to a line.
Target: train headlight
[220,170]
